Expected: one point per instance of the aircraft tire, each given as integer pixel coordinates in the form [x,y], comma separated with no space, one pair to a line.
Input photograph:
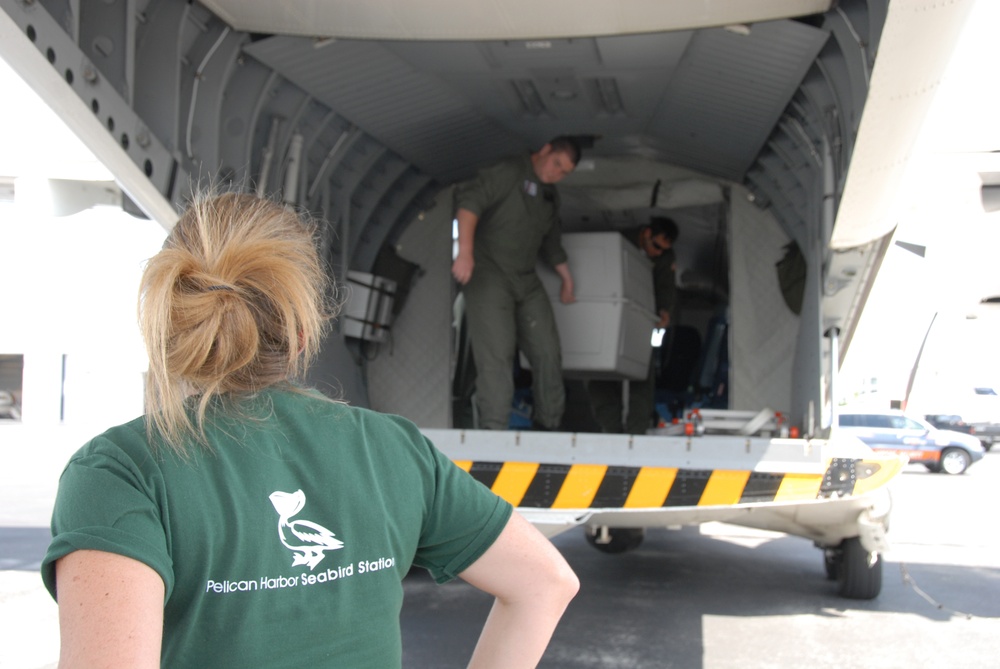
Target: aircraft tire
[623,539]
[831,563]
[857,579]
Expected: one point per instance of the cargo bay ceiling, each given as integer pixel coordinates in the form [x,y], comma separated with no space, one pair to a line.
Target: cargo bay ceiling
[365,126]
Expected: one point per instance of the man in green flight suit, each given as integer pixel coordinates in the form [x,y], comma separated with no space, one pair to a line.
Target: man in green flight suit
[656,240]
[508,215]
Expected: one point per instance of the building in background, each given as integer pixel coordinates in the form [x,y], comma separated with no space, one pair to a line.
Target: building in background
[70,350]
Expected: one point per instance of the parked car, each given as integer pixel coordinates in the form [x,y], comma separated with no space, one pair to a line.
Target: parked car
[987,433]
[946,451]
[949,421]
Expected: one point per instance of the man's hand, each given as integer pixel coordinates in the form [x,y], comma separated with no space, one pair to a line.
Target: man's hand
[566,295]
[664,319]
[461,269]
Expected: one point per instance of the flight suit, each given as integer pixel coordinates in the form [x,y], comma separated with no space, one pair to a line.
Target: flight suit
[506,305]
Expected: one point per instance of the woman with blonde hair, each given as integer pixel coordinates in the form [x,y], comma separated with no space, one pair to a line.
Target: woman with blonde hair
[247,521]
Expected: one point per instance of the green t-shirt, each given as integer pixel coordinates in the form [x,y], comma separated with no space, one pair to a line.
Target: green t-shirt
[285,544]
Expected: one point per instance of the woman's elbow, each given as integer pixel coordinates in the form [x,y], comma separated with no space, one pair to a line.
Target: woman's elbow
[569,581]
[560,583]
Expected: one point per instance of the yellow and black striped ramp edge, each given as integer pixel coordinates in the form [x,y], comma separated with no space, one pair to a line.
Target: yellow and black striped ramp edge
[583,486]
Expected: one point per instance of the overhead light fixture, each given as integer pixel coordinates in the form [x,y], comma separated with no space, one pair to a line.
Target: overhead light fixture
[611,99]
[527,93]
[738,28]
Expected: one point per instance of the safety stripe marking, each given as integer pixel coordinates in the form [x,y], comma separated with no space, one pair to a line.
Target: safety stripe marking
[545,485]
[762,487]
[798,486]
[486,472]
[725,486]
[580,486]
[513,480]
[650,487]
[872,474]
[557,486]
[615,487]
[688,487]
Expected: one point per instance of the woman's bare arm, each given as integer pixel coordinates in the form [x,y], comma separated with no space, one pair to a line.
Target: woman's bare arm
[110,611]
[532,584]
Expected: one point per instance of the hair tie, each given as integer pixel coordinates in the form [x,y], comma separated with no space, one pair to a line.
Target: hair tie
[229,288]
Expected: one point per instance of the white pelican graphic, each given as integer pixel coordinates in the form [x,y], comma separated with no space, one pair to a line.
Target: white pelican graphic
[307,540]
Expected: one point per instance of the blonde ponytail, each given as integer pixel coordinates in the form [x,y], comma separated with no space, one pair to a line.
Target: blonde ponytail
[234,303]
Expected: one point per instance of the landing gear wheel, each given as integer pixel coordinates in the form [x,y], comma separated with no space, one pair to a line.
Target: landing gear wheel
[858,572]
[831,562]
[955,461]
[615,539]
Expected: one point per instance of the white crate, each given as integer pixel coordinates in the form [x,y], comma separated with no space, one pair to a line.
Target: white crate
[367,314]
[606,333]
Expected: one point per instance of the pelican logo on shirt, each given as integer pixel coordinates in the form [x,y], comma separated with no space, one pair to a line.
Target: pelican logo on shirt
[307,540]
[530,187]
